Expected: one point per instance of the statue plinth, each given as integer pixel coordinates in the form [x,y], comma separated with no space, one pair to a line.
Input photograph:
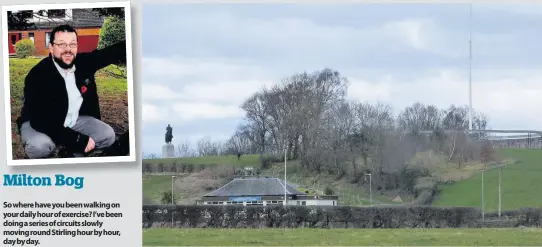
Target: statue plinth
[168,151]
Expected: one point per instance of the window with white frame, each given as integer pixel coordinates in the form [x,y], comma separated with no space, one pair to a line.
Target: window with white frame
[47,35]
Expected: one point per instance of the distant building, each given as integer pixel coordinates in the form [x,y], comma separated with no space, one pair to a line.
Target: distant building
[86,22]
[517,141]
[263,191]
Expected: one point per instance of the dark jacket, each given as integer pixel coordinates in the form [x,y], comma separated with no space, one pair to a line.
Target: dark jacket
[46,99]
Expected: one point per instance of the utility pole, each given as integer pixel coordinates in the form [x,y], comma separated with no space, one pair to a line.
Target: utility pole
[483,214]
[471,127]
[500,195]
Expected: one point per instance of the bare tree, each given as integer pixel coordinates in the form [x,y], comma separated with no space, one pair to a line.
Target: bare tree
[184,150]
[419,117]
[206,147]
[257,112]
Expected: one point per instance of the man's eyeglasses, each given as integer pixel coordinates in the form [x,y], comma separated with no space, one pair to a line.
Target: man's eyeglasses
[64,45]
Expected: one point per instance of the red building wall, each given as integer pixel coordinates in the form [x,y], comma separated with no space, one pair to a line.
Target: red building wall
[88,40]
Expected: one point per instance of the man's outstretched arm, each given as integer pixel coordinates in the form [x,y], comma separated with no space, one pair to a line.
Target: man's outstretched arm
[114,54]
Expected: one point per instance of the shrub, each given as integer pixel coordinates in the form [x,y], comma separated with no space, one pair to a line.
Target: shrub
[328,191]
[268,161]
[166,197]
[425,190]
[147,167]
[24,48]
[112,31]
[189,168]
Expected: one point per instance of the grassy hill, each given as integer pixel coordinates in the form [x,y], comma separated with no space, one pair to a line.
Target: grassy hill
[520,181]
[520,185]
[154,185]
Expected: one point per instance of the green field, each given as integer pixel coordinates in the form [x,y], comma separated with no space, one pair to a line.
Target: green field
[112,91]
[342,237]
[520,185]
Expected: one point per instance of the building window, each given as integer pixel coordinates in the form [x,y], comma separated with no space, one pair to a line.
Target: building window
[303,203]
[31,36]
[298,202]
[47,35]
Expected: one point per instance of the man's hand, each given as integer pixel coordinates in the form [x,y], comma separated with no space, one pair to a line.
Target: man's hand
[90,145]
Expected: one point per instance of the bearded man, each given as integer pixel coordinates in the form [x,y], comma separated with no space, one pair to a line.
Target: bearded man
[61,104]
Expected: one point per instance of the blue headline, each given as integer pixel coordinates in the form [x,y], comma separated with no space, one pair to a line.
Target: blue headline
[25,180]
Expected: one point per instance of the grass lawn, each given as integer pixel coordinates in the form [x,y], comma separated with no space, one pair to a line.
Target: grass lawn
[342,237]
[111,90]
[154,186]
[520,185]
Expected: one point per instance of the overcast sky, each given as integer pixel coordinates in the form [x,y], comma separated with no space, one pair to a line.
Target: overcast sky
[196,55]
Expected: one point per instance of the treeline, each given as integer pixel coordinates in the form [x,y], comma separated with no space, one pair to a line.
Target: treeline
[309,118]
[208,216]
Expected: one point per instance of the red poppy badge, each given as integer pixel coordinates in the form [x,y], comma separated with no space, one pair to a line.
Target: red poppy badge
[83,89]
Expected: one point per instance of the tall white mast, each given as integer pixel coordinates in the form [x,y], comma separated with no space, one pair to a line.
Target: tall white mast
[471,127]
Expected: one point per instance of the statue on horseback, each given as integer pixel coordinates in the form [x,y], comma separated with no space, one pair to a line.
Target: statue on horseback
[169,134]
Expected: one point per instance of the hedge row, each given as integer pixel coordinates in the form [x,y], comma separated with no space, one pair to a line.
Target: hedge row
[233,216]
[522,217]
[172,167]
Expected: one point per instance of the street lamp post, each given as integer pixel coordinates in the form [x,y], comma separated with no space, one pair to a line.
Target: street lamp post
[172,200]
[370,188]
[172,183]
[285,195]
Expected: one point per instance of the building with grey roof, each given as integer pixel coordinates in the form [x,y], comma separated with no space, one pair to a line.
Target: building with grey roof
[263,191]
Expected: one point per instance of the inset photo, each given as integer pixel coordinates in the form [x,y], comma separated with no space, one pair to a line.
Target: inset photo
[70,83]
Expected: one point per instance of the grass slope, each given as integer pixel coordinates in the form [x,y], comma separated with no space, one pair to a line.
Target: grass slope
[520,185]
[348,194]
[155,185]
[341,237]
[111,90]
